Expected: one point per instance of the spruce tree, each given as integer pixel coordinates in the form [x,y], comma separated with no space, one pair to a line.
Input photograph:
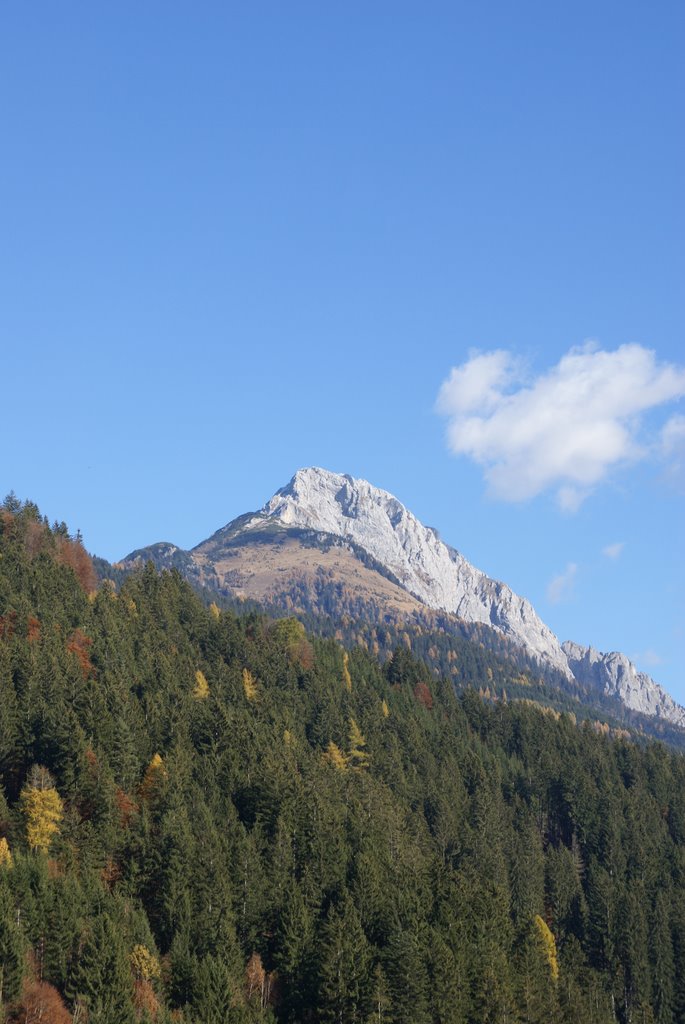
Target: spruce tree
[101,978]
[344,968]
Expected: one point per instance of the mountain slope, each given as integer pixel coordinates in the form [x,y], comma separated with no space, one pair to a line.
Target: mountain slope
[354,545]
[253,826]
[365,518]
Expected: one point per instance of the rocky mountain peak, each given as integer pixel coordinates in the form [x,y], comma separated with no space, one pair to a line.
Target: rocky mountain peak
[408,563]
[438,575]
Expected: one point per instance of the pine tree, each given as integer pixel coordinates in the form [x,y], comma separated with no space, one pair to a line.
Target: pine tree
[449,988]
[407,972]
[662,960]
[11,949]
[101,979]
[344,970]
[214,993]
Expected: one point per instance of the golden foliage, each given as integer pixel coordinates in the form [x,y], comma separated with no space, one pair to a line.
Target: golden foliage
[549,946]
[385,709]
[144,965]
[250,685]
[347,678]
[335,757]
[358,757]
[288,738]
[43,810]
[5,854]
[214,611]
[201,688]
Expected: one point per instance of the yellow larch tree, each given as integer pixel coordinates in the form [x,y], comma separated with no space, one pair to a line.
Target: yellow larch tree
[347,678]
[144,965]
[5,854]
[42,807]
[201,688]
[549,946]
[250,685]
[335,756]
[358,757]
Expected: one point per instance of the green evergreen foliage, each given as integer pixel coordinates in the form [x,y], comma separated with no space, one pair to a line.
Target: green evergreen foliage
[430,881]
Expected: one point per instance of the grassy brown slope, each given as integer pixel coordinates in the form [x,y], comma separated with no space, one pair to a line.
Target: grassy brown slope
[264,571]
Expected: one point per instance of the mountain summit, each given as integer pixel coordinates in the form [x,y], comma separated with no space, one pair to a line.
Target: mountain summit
[438,575]
[343,539]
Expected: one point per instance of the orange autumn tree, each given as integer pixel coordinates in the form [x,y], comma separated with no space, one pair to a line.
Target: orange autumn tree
[41,1003]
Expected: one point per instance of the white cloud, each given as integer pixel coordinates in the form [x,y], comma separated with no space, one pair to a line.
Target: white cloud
[614,550]
[560,587]
[565,429]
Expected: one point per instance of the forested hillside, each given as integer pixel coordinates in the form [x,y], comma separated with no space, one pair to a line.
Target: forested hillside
[353,607]
[214,818]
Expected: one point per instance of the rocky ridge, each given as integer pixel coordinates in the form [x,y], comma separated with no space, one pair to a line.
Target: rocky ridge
[616,676]
[439,576]
[368,521]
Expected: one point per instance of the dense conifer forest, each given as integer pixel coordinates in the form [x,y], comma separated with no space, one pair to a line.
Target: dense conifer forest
[216,818]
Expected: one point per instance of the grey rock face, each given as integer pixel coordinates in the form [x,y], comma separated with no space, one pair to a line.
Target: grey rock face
[436,574]
[615,675]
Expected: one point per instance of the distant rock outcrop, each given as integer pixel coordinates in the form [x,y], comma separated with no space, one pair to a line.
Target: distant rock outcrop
[615,675]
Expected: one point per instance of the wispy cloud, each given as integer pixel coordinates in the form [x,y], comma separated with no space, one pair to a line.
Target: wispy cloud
[613,550]
[564,429]
[648,658]
[560,588]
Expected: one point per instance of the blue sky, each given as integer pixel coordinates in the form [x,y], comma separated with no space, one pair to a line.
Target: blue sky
[241,239]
